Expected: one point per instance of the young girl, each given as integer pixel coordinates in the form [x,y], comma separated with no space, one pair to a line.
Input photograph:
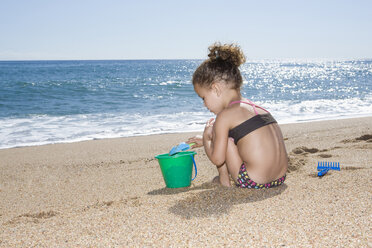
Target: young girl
[244,140]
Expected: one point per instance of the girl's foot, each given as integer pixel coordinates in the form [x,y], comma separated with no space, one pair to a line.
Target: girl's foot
[218,181]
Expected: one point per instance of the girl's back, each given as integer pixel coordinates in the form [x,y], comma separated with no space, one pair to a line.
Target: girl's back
[262,150]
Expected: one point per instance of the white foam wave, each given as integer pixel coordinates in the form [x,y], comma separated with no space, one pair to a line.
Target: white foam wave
[44,129]
[39,130]
[323,109]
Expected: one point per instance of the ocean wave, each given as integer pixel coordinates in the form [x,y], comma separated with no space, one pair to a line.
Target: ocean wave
[44,129]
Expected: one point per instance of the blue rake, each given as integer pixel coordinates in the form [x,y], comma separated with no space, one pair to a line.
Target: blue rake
[324,167]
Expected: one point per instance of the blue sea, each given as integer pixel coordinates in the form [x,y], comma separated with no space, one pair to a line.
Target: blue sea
[43,102]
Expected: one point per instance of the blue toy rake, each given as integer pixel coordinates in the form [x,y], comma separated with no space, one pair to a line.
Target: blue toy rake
[324,167]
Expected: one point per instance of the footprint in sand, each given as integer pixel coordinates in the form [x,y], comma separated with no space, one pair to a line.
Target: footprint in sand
[298,157]
[325,155]
[32,217]
[295,163]
[41,215]
[304,150]
[365,137]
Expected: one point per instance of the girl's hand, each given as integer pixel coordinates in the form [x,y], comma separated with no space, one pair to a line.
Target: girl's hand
[208,130]
[198,140]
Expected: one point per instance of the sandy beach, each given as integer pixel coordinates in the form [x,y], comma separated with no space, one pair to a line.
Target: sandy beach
[110,193]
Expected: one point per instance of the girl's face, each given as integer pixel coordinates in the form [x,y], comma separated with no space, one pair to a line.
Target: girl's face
[211,98]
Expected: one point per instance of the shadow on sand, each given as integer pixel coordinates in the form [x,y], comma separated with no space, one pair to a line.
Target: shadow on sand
[220,200]
[168,191]
[214,200]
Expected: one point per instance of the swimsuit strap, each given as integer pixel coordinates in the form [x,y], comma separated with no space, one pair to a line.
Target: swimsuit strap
[249,103]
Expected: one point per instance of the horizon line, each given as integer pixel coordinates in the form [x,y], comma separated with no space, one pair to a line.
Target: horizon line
[248,59]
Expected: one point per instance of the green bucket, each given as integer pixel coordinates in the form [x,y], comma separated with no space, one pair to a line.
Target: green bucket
[177,169]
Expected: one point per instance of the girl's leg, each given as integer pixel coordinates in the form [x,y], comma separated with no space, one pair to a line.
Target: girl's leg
[223,176]
[233,159]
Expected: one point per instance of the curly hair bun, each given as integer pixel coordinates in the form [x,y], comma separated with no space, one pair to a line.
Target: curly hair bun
[230,53]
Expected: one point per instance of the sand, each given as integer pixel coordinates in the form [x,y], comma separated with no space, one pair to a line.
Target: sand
[110,193]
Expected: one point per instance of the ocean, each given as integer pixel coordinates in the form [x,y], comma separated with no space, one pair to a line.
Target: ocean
[44,102]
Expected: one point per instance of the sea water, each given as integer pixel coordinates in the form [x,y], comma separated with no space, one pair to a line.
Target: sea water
[43,102]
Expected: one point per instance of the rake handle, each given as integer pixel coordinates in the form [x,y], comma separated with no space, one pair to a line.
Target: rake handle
[323,172]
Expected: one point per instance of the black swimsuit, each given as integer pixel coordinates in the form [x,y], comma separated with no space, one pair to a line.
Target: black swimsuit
[251,124]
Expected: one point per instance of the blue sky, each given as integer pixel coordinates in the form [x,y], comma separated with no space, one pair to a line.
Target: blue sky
[162,29]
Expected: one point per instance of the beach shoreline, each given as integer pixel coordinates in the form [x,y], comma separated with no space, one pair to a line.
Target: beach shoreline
[110,192]
[36,144]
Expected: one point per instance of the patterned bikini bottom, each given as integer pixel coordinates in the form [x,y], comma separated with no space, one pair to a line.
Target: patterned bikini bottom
[245,182]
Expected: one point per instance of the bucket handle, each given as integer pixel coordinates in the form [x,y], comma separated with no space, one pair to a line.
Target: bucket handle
[196,170]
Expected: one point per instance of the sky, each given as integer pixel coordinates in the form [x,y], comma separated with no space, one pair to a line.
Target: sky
[183,29]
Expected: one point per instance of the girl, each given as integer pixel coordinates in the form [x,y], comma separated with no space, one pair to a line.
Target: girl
[244,140]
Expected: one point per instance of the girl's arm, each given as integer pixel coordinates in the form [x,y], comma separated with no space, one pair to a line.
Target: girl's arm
[215,139]
[198,140]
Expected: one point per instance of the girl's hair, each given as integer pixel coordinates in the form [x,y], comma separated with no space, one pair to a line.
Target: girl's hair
[222,65]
